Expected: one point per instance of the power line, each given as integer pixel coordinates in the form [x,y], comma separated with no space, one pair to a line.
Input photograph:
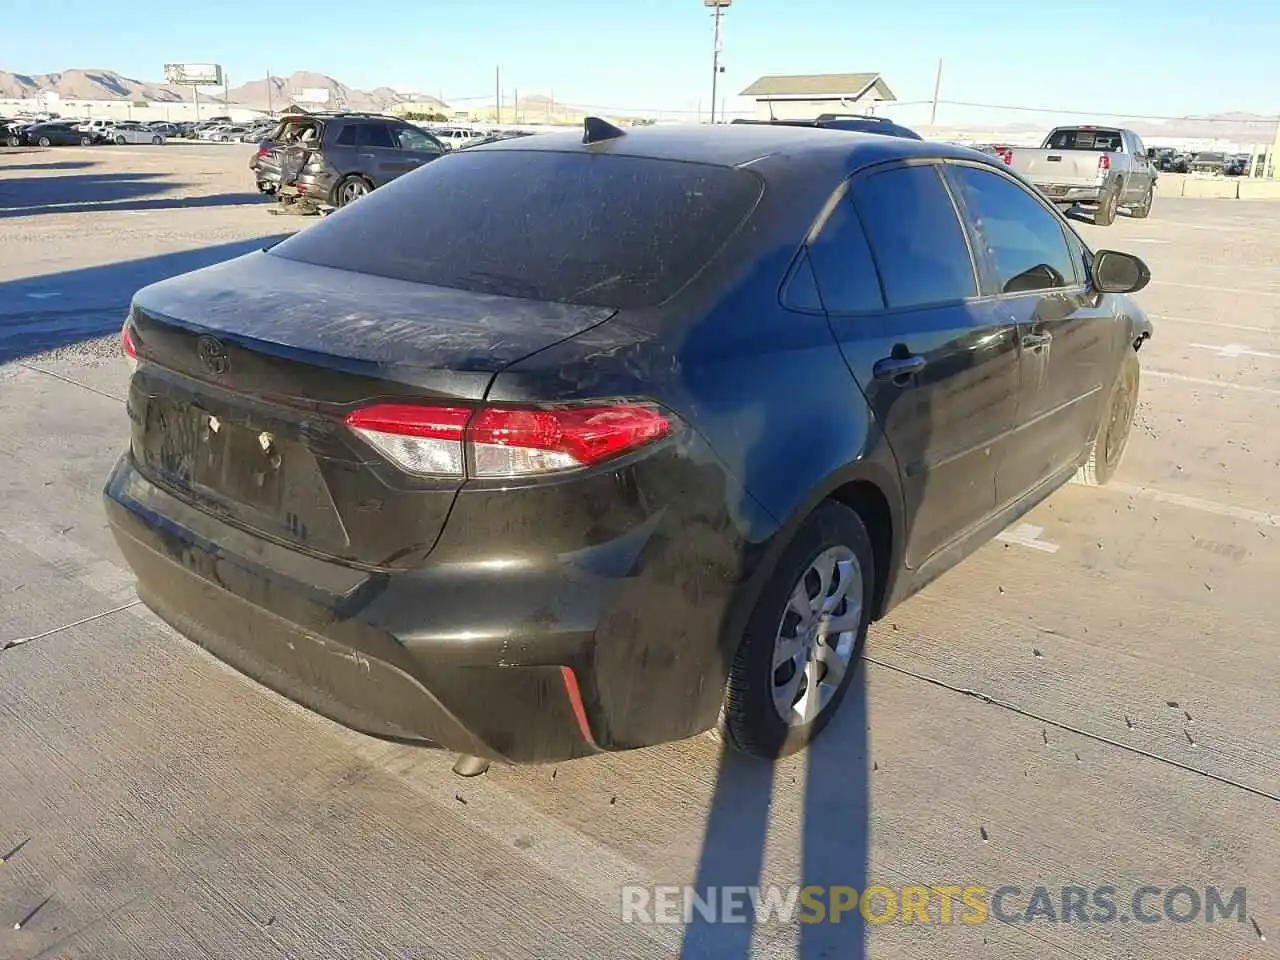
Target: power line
[894,104]
[1105,113]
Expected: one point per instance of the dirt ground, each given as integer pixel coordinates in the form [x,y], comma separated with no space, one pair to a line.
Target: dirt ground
[1090,701]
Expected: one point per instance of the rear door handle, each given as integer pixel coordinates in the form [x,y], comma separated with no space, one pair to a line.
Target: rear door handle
[1034,341]
[898,369]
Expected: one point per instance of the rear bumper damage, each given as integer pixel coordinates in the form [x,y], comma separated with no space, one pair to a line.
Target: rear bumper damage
[382,653]
[318,188]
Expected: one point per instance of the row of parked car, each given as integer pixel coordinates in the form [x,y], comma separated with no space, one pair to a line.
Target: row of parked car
[23,131]
[1212,162]
[52,131]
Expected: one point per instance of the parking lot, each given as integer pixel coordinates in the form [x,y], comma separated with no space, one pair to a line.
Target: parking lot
[1088,701]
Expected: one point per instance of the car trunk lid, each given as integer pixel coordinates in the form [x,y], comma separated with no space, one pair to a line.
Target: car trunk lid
[248,369]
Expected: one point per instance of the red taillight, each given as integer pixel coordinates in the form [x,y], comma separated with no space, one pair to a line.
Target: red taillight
[1104,161]
[496,442]
[1006,155]
[126,342]
[263,151]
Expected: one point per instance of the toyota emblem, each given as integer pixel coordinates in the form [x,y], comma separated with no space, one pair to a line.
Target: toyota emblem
[213,355]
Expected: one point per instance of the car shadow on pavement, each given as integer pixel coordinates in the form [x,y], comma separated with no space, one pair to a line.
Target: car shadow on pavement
[26,196]
[55,165]
[44,313]
[835,823]
[142,206]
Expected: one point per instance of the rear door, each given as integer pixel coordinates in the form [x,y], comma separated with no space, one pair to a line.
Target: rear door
[381,158]
[1035,268]
[937,362]
[1141,177]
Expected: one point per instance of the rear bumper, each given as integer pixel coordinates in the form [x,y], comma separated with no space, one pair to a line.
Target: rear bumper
[611,642]
[322,635]
[1062,193]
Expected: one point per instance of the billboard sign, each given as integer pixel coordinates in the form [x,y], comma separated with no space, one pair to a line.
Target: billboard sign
[313,95]
[193,74]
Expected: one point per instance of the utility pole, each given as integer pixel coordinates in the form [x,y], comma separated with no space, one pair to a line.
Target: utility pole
[497,94]
[937,89]
[515,102]
[271,110]
[226,97]
[717,13]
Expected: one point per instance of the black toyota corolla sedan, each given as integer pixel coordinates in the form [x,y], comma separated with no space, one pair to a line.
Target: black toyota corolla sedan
[580,443]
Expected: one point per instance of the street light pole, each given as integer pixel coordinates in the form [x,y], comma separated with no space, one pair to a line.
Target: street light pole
[718,9]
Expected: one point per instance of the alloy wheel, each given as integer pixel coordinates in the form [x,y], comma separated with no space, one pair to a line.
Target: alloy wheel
[353,191]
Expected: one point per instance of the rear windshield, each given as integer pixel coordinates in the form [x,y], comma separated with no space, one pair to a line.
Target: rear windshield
[1100,140]
[290,130]
[589,229]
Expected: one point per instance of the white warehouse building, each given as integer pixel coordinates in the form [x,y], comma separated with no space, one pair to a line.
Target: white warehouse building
[143,111]
[810,96]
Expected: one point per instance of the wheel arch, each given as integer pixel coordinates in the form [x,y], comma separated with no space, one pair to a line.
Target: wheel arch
[871,488]
[869,501]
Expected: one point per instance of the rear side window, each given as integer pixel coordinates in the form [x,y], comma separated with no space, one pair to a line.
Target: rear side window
[842,264]
[1024,242]
[592,229]
[915,236]
[347,138]
[375,135]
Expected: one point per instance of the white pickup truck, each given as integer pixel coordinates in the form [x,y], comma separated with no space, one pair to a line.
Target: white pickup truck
[1103,166]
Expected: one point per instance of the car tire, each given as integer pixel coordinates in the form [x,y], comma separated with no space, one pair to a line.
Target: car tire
[267,188]
[157,141]
[1117,423]
[120,140]
[14,142]
[43,142]
[1108,206]
[350,189]
[1143,210]
[760,686]
[86,141]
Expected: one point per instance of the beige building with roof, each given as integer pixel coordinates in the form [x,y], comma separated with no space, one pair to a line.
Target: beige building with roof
[807,97]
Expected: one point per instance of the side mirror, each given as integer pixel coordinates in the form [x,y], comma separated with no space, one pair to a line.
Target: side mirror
[1116,272]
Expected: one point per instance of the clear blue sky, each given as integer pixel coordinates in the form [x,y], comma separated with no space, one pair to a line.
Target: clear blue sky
[1145,56]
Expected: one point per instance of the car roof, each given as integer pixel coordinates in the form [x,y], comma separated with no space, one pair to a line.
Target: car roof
[737,145]
[338,115]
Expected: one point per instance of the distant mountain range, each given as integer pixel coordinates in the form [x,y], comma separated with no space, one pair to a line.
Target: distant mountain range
[72,85]
[85,85]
